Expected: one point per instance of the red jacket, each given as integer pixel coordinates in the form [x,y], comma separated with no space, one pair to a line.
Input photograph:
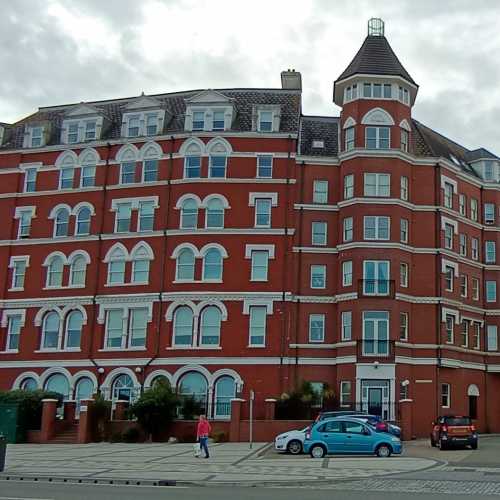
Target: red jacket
[203,429]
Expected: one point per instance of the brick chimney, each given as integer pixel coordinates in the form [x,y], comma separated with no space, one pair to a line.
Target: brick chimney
[291,79]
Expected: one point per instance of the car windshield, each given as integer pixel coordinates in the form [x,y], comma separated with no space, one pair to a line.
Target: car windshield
[457,421]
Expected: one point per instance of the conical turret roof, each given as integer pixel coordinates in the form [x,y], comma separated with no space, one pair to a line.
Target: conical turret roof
[376,57]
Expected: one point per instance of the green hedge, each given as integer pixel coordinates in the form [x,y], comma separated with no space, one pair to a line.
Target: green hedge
[30,406]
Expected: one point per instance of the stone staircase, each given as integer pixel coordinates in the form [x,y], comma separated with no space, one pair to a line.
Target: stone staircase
[68,436]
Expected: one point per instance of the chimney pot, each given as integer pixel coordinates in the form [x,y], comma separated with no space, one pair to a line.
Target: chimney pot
[291,80]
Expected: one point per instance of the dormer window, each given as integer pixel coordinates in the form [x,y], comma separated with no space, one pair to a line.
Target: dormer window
[90,131]
[36,137]
[73,133]
[265,121]
[133,126]
[198,120]
[151,124]
[489,172]
[218,120]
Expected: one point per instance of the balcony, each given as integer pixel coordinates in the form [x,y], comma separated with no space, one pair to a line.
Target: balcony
[376,288]
[371,350]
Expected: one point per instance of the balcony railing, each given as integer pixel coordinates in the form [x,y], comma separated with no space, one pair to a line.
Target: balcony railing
[376,288]
[375,348]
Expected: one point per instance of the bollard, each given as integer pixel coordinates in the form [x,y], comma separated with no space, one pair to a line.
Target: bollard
[3,450]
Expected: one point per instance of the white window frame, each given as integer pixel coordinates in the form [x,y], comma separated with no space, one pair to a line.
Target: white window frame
[347,273]
[323,233]
[320,191]
[475,249]
[377,136]
[475,288]
[448,189]
[350,138]
[448,236]
[259,201]
[348,229]
[462,204]
[490,285]
[259,159]
[404,226]
[473,209]
[377,219]
[463,244]
[378,185]
[449,328]
[346,325]
[449,274]
[19,214]
[318,267]
[477,335]
[317,317]
[8,314]
[463,285]
[464,333]
[491,338]
[348,186]
[445,395]
[404,188]
[250,326]
[14,260]
[345,393]
[490,255]
[403,326]
[31,171]
[489,213]
[376,279]
[404,271]
[253,265]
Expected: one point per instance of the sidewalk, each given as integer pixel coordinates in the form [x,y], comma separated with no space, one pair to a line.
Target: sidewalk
[228,463]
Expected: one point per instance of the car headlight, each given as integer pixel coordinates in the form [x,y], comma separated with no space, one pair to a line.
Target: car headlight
[279,438]
[395,439]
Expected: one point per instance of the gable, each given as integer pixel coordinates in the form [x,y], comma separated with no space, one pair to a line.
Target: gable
[143,102]
[209,97]
[83,109]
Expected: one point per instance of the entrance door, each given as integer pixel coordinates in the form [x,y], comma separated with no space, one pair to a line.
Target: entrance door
[473,407]
[375,401]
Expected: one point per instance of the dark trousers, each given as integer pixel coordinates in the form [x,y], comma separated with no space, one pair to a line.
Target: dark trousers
[204,445]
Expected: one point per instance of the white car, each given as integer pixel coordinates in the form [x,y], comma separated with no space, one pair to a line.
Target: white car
[291,441]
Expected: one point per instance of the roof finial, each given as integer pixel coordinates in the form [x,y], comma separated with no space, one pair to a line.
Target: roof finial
[375,27]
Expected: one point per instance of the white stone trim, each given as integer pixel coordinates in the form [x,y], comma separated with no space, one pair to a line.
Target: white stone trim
[250,248]
[350,122]
[196,308]
[187,196]
[377,117]
[177,250]
[215,196]
[113,374]
[448,263]
[83,204]
[268,303]
[254,196]
[17,382]
[446,220]
[20,210]
[125,305]
[405,125]
[450,312]
[157,373]
[19,258]
[449,180]
[135,202]
[13,312]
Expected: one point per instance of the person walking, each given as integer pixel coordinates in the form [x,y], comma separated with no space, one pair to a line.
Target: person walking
[202,432]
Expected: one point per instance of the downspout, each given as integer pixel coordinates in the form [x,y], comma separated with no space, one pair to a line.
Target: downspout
[286,250]
[98,270]
[298,286]
[485,329]
[437,203]
[163,259]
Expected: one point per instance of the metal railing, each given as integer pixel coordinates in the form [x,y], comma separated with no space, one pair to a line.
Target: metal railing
[376,288]
[375,348]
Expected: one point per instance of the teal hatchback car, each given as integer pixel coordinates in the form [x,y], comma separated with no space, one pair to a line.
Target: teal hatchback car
[349,436]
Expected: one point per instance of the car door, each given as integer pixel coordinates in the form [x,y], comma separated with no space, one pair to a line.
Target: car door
[331,434]
[357,437]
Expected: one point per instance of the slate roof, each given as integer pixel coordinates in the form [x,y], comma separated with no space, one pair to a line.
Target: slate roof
[174,103]
[481,154]
[376,57]
[324,128]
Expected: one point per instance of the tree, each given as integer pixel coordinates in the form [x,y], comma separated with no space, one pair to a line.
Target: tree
[156,408]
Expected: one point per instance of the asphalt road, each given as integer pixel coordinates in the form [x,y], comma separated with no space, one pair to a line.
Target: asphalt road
[39,491]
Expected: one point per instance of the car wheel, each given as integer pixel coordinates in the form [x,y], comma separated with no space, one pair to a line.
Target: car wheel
[474,446]
[384,451]
[442,445]
[294,447]
[433,443]
[317,451]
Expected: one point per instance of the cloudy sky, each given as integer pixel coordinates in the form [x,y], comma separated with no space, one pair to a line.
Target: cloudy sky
[63,51]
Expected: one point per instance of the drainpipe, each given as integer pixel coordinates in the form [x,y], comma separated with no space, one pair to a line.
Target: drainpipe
[90,352]
[163,260]
[437,201]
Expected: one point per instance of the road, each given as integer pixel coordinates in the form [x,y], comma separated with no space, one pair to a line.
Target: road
[34,491]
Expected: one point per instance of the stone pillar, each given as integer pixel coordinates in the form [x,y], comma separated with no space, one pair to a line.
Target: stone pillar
[85,422]
[406,412]
[49,412]
[270,408]
[120,409]
[234,426]
[69,411]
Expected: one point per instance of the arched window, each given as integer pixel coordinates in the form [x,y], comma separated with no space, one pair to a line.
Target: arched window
[189,214]
[141,256]
[123,388]
[210,326]
[29,384]
[116,265]
[78,271]
[83,390]
[214,214]
[61,222]
[55,271]
[225,390]
[83,221]
[58,383]
[212,265]
[185,265]
[50,331]
[194,385]
[183,326]
[160,379]
[74,323]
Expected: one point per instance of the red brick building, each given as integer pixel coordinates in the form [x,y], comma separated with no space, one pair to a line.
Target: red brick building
[227,242]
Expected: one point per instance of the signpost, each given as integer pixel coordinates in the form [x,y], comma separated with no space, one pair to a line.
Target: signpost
[252,397]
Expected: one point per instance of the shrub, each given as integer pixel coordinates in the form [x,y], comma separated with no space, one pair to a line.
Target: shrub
[219,437]
[190,408]
[29,406]
[101,414]
[302,403]
[156,408]
[131,435]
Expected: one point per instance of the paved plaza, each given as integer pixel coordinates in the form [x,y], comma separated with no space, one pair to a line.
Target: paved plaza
[229,463]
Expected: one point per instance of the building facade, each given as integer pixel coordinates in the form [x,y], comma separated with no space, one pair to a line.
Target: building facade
[225,241]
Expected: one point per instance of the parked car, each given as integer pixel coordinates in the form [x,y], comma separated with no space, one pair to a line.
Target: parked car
[379,424]
[291,441]
[322,415]
[349,435]
[454,430]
